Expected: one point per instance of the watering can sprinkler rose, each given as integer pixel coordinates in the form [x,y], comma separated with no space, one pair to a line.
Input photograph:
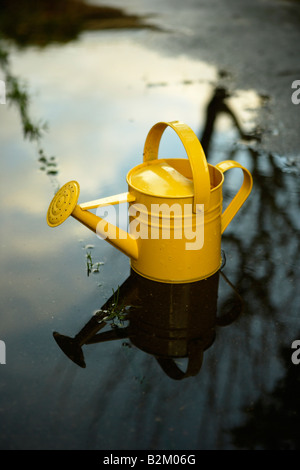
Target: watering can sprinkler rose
[171,201]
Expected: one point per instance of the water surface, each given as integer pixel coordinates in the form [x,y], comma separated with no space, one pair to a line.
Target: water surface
[100,95]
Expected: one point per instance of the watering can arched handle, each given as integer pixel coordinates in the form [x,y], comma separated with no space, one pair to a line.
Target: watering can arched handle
[241,195]
[194,152]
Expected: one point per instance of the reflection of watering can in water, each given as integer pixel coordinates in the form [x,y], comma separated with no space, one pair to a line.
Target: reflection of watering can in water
[168,321]
[165,194]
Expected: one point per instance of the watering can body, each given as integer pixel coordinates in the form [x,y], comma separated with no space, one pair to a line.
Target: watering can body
[175,215]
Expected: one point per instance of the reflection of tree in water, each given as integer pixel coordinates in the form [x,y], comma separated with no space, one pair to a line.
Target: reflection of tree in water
[274,421]
[216,106]
[18,96]
[267,255]
[30,22]
[274,225]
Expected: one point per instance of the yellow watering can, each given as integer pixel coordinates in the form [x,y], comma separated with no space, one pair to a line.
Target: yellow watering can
[175,211]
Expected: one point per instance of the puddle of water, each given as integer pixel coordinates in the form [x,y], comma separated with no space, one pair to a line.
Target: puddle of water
[100,96]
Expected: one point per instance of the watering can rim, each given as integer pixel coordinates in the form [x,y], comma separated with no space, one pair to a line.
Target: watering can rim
[153,194]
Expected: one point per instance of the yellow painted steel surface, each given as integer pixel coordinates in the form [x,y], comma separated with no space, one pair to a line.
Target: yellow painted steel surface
[175,211]
[63,203]
[159,178]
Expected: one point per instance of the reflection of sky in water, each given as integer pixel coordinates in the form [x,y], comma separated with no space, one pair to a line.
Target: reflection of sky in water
[100,97]
[98,102]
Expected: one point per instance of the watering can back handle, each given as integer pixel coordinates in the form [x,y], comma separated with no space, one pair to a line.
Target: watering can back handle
[195,360]
[241,195]
[195,153]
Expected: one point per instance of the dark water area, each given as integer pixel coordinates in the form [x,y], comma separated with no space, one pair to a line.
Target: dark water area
[97,357]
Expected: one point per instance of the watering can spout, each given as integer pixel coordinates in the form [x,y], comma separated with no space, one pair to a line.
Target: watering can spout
[65,204]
